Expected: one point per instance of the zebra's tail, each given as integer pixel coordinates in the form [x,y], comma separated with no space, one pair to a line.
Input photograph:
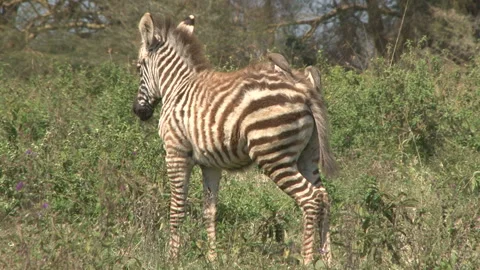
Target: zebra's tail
[319,111]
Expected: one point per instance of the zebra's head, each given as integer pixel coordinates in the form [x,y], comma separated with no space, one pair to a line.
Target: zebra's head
[156,34]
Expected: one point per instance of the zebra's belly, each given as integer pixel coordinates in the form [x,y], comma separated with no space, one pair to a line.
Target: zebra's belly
[222,157]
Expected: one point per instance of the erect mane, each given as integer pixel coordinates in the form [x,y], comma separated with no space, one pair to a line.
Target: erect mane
[187,45]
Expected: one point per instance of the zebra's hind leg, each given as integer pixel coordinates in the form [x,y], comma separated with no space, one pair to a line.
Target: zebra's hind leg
[211,180]
[308,167]
[284,172]
[178,171]
[324,226]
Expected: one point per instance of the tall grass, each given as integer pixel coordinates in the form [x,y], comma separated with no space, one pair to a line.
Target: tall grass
[83,183]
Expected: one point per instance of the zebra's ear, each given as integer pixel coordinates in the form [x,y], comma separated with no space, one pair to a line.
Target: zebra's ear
[313,74]
[187,25]
[147,28]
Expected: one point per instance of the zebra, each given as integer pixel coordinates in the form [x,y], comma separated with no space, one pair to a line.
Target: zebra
[230,120]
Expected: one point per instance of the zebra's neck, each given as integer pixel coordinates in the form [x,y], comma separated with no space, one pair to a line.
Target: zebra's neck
[178,65]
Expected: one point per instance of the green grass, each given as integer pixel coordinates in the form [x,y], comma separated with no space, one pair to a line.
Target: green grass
[83,182]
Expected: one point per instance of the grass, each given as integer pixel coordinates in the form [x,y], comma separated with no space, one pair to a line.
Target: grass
[83,183]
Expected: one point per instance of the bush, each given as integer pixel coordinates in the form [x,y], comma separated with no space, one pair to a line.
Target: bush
[414,106]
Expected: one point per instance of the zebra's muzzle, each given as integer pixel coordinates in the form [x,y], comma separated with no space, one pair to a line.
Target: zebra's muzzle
[144,112]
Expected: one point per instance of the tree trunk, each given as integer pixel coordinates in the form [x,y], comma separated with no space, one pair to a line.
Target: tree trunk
[375,27]
[8,13]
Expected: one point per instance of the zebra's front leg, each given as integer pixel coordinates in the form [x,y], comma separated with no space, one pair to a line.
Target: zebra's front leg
[211,180]
[179,168]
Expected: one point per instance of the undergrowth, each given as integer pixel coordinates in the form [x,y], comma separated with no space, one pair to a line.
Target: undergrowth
[83,183]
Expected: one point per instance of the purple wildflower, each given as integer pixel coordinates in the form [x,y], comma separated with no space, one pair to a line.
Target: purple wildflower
[45,205]
[20,185]
[134,153]
[30,152]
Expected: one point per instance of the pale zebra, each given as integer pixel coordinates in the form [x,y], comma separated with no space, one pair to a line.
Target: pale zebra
[230,120]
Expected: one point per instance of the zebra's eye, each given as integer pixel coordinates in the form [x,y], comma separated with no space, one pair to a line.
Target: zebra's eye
[159,43]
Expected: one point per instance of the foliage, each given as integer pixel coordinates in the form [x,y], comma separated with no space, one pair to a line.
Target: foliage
[350,32]
[416,106]
[83,183]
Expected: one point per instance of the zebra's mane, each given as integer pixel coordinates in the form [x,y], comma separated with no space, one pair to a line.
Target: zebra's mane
[186,44]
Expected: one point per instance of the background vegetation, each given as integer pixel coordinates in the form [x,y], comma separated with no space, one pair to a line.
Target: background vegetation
[83,182]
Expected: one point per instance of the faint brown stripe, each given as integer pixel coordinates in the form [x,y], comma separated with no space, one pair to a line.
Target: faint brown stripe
[278,137]
[282,175]
[277,148]
[263,162]
[281,166]
[277,121]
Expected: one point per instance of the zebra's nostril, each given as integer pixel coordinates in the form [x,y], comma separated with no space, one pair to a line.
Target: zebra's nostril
[143,112]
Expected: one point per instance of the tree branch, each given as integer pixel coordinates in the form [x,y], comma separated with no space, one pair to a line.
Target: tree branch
[11,3]
[48,27]
[315,22]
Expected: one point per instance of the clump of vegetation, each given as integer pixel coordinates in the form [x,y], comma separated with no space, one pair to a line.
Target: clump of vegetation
[399,130]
